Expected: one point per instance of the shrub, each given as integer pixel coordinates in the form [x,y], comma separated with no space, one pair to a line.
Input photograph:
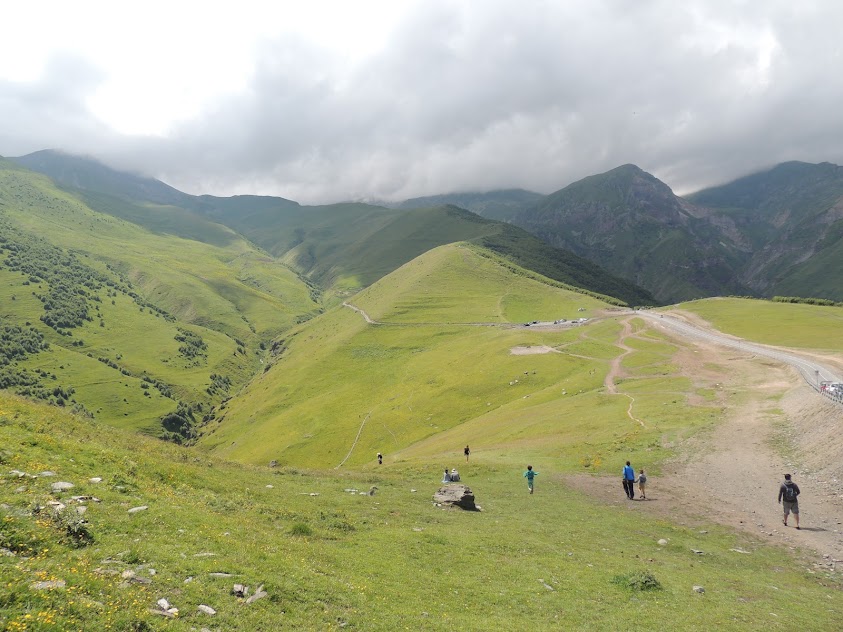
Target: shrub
[638,581]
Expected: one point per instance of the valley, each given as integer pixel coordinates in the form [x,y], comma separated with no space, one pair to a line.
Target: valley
[277,349]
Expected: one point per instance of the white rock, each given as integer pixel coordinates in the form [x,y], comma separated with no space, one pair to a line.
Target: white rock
[163,604]
[206,609]
[61,486]
[134,510]
[47,473]
[662,542]
[699,589]
[96,479]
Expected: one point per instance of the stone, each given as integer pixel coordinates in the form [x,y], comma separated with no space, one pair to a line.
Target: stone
[662,542]
[95,479]
[206,609]
[699,589]
[273,463]
[135,510]
[47,473]
[240,590]
[260,593]
[61,486]
[455,495]
[163,604]
[48,585]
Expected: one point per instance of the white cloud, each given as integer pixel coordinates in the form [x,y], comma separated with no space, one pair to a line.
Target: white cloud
[330,100]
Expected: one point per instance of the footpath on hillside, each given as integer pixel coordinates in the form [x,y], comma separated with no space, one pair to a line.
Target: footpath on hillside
[731,475]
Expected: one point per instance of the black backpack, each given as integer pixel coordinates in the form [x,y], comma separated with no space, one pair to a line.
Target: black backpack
[789,493]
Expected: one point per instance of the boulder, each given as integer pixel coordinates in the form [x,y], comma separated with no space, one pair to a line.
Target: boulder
[455,495]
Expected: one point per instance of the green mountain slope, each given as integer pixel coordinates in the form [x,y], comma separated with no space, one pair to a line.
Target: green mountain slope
[631,224]
[501,205]
[792,214]
[125,323]
[431,366]
[339,248]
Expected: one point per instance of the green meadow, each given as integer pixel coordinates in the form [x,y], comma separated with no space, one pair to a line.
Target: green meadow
[330,559]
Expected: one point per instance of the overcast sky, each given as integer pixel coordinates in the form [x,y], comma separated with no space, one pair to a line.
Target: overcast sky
[322,101]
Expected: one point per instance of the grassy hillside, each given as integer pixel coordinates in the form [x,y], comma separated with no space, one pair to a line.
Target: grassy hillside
[129,323]
[329,558]
[339,248]
[441,359]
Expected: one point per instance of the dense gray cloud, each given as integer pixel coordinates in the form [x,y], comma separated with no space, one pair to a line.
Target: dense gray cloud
[479,96]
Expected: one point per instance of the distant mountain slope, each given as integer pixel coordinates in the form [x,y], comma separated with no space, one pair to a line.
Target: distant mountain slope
[792,215]
[88,174]
[631,224]
[339,247]
[501,205]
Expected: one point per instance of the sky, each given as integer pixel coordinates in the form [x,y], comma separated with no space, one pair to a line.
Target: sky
[330,100]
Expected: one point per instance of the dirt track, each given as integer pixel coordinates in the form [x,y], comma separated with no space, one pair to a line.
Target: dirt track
[732,475]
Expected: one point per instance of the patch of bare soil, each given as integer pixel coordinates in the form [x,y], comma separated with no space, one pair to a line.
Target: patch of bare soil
[535,350]
[774,423]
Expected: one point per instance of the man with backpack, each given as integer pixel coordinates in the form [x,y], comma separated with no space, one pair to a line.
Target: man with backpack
[789,493]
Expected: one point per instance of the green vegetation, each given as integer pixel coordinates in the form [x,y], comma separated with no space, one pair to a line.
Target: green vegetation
[441,369]
[331,559]
[128,326]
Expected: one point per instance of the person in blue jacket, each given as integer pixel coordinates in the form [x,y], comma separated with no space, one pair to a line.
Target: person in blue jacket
[629,481]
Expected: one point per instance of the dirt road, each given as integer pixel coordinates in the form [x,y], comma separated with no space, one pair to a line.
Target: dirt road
[732,474]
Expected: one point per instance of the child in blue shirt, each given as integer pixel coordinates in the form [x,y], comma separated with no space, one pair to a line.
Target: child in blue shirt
[530,474]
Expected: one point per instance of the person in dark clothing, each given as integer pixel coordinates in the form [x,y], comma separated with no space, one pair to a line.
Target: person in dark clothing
[629,481]
[466,452]
[788,497]
[380,458]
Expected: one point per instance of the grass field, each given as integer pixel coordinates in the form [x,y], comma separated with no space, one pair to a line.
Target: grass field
[332,559]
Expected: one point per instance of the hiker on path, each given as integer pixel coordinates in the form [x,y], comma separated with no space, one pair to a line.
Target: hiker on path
[789,493]
[530,474]
[380,458]
[447,477]
[642,482]
[466,452]
[629,481]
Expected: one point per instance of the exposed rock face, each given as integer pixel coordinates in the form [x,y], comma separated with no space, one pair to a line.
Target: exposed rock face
[455,494]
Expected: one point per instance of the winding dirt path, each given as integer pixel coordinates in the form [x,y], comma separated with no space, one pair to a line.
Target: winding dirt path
[616,371]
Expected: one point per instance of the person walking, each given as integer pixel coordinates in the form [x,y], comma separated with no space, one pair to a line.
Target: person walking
[642,483]
[789,498]
[530,474]
[629,481]
[466,452]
